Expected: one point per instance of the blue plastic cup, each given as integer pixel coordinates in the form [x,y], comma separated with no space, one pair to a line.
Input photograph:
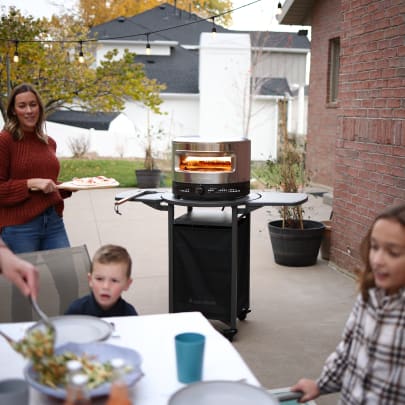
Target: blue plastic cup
[189,356]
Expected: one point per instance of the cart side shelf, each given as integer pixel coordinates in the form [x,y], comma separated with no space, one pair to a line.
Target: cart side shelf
[160,200]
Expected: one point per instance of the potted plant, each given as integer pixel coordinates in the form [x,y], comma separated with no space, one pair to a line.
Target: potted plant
[295,241]
[149,176]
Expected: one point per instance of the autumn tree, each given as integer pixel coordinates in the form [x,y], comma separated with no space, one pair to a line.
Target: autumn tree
[13,28]
[48,58]
[95,12]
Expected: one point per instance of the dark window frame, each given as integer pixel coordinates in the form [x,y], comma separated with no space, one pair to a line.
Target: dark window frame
[333,70]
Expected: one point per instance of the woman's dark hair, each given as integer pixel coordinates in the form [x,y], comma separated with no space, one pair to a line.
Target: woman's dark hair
[12,124]
[366,277]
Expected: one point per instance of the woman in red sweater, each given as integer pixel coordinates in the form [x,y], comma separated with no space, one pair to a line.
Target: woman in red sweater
[31,206]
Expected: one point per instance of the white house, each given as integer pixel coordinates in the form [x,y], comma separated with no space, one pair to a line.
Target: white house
[227,86]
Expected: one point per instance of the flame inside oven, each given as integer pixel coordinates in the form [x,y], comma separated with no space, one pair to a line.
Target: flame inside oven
[192,163]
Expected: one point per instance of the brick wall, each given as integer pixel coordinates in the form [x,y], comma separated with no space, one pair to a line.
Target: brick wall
[369,121]
[322,117]
[370,147]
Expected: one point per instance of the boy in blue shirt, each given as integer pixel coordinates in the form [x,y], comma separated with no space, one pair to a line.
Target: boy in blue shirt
[110,275]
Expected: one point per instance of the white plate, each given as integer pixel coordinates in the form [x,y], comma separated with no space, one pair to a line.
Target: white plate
[102,352]
[220,393]
[79,329]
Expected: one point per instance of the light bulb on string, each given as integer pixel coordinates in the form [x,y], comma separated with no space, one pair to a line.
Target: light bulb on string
[81,55]
[148,50]
[16,58]
[279,8]
[109,3]
[214,28]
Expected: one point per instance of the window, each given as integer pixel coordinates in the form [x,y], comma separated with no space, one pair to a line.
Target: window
[334,63]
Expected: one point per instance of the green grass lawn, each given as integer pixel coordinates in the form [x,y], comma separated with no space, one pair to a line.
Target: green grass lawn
[123,170]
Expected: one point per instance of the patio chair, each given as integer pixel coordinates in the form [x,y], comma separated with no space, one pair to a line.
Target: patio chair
[63,278]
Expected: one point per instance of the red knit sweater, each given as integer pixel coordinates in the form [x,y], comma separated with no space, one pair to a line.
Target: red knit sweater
[22,160]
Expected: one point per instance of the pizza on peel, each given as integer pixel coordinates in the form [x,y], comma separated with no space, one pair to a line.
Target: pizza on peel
[95,181]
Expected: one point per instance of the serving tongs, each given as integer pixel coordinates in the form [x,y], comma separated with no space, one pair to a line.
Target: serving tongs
[288,396]
[11,341]
[45,319]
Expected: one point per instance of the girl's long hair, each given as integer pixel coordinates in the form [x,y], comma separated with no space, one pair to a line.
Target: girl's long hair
[12,124]
[366,277]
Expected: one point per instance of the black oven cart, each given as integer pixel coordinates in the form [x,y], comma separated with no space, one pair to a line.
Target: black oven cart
[209,251]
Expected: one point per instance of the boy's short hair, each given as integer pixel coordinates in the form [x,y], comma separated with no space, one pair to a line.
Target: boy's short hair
[113,254]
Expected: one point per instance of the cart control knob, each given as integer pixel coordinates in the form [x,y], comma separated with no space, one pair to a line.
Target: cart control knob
[199,190]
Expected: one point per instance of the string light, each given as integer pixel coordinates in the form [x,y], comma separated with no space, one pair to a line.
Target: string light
[279,8]
[81,55]
[148,50]
[148,47]
[214,28]
[16,58]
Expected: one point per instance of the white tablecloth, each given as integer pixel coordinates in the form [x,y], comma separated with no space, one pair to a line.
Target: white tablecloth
[153,337]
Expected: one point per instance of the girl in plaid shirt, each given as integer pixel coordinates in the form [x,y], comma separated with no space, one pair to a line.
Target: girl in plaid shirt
[368,365]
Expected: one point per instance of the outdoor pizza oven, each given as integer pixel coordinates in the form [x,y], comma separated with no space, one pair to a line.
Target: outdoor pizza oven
[204,169]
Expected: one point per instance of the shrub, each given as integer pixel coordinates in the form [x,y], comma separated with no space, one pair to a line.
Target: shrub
[79,146]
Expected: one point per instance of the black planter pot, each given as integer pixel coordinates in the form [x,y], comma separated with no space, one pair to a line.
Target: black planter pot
[296,247]
[148,178]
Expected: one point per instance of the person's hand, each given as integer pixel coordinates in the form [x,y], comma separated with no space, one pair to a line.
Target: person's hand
[20,272]
[309,388]
[46,185]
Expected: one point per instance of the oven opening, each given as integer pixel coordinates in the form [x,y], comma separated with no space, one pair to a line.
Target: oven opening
[210,170]
[198,162]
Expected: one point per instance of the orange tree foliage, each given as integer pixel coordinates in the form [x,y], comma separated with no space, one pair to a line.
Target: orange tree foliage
[95,12]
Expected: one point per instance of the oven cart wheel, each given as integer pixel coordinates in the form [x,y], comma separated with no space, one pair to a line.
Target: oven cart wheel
[230,333]
[243,313]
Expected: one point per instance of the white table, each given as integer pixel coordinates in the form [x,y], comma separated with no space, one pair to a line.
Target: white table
[153,337]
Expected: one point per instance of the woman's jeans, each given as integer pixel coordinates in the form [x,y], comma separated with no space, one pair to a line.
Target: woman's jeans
[44,232]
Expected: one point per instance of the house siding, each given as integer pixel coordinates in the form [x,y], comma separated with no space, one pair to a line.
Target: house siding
[359,146]
[292,66]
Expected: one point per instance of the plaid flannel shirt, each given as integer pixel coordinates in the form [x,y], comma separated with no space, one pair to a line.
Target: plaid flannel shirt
[368,365]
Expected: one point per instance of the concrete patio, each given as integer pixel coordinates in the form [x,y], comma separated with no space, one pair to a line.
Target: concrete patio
[297,314]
